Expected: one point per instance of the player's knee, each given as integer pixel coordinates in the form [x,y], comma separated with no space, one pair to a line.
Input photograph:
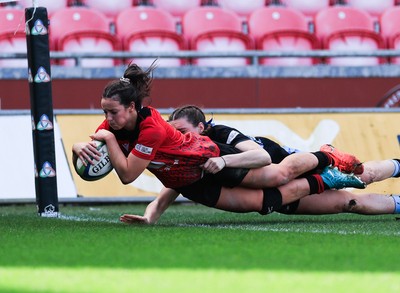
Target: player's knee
[283,176]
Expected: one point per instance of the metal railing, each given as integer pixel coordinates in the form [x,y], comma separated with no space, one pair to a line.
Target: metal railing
[254,55]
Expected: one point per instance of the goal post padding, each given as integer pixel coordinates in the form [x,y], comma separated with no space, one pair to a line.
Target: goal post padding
[39,76]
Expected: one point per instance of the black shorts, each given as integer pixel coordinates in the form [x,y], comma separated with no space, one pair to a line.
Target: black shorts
[205,191]
[208,189]
[289,208]
[230,177]
[276,152]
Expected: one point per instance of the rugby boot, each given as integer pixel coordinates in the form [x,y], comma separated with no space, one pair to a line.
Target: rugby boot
[338,180]
[346,163]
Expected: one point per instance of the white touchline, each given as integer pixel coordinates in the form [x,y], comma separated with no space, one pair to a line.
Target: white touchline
[87,219]
[288,229]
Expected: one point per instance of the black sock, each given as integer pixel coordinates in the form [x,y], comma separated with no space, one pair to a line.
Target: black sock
[316,183]
[323,159]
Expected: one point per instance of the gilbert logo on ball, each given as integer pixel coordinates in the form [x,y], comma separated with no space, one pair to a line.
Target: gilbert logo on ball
[99,169]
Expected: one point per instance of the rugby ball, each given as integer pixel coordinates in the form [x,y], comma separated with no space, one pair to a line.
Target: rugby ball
[99,169]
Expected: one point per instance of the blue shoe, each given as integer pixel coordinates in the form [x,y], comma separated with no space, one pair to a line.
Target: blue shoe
[338,180]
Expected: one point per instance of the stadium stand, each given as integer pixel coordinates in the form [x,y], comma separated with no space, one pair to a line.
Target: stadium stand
[349,29]
[51,5]
[109,8]
[215,29]
[390,29]
[12,36]
[242,8]
[81,29]
[279,28]
[374,7]
[144,29]
[177,7]
[261,84]
[308,7]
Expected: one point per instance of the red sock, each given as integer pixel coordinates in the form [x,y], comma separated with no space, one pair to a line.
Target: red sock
[316,183]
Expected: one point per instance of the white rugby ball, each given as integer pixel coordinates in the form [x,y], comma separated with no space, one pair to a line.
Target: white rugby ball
[99,169]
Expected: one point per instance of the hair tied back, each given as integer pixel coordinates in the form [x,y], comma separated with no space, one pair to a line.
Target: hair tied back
[125,80]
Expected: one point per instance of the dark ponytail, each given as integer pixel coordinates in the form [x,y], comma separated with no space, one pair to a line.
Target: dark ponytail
[193,114]
[134,86]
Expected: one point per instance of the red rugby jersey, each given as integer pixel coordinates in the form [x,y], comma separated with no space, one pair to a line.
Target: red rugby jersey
[175,157]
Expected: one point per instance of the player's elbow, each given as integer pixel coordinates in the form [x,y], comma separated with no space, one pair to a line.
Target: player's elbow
[125,179]
[126,182]
[265,158]
[268,160]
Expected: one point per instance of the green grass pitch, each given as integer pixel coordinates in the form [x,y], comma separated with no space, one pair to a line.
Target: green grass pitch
[196,249]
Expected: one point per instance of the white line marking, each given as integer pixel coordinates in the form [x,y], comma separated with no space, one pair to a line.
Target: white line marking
[290,229]
[87,219]
[242,227]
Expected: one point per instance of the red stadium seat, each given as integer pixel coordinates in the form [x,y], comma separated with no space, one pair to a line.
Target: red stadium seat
[108,7]
[51,5]
[177,7]
[12,36]
[373,7]
[149,29]
[308,7]
[242,8]
[348,29]
[80,29]
[214,29]
[390,29]
[278,28]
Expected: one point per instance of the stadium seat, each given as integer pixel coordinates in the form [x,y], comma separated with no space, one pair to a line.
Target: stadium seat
[390,30]
[345,28]
[214,29]
[12,36]
[279,28]
[242,8]
[108,7]
[373,7]
[177,7]
[149,29]
[308,7]
[51,5]
[80,29]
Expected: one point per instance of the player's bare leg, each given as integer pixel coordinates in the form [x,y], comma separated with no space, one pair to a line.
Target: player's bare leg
[243,200]
[342,201]
[375,171]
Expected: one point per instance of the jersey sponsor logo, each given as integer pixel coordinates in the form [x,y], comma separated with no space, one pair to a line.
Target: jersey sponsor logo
[231,136]
[143,149]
